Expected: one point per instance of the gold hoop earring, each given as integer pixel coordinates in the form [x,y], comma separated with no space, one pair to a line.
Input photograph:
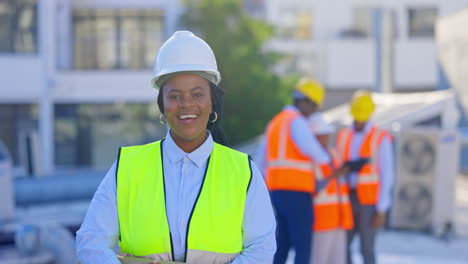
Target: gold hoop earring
[162,119]
[216,117]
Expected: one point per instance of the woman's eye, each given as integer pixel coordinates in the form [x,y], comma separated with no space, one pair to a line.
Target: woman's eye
[198,95]
[174,97]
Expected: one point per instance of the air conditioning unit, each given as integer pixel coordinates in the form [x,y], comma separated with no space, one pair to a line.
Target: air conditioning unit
[427,166]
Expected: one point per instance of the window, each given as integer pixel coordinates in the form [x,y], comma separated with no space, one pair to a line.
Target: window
[16,121]
[89,135]
[108,39]
[18,26]
[362,24]
[302,63]
[421,21]
[295,23]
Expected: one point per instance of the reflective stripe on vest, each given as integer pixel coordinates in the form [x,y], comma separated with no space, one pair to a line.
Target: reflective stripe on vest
[368,177]
[287,168]
[214,230]
[324,198]
[332,207]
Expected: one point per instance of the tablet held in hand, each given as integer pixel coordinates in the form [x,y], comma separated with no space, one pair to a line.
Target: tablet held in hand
[356,165]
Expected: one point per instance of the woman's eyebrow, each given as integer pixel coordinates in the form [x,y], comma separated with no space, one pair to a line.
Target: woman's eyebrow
[175,90]
[196,88]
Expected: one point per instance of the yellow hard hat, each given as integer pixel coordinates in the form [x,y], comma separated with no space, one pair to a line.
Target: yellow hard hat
[362,105]
[312,89]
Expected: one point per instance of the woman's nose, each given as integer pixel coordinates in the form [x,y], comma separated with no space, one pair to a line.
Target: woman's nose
[186,101]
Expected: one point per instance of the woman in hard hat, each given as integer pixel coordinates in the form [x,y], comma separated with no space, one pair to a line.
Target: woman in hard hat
[332,209]
[370,187]
[186,198]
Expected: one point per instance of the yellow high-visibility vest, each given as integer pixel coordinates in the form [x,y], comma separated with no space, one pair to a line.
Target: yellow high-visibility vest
[214,230]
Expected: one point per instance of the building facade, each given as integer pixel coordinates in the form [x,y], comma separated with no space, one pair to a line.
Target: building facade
[332,40]
[76,74]
[76,77]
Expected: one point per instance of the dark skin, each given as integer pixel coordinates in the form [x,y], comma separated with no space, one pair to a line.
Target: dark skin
[187,109]
[378,220]
[324,140]
[359,126]
[306,106]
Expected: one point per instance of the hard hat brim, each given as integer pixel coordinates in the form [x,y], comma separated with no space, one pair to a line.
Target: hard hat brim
[157,81]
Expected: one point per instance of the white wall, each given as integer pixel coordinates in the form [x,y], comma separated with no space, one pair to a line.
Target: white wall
[104,87]
[350,64]
[20,78]
[330,18]
[415,64]
[64,35]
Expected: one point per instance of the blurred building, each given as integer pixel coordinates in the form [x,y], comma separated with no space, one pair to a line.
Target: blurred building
[75,74]
[332,40]
[86,66]
[255,8]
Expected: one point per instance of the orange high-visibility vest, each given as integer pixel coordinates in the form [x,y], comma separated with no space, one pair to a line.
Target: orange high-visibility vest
[368,177]
[332,207]
[287,168]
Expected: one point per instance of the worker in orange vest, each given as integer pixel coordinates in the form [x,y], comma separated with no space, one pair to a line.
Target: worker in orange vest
[287,156]
[332,208]
[370,187]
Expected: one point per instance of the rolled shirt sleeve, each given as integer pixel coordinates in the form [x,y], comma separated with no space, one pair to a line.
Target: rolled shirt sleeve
[387,175]
[307,142]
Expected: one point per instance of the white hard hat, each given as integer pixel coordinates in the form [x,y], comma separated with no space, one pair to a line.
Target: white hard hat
[319,126]
[185,52]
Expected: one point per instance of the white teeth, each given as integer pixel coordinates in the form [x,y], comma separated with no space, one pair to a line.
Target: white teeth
[187,116]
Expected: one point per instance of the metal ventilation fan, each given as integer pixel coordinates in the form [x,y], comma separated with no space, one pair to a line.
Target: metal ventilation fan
[418,155]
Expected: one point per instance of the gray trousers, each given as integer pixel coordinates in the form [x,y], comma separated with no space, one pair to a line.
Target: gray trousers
[362,215]
[329,247]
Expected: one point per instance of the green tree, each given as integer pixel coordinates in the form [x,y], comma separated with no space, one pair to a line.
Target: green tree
[253,93]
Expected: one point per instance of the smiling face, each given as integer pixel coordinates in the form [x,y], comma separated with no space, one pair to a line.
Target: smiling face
[187,108]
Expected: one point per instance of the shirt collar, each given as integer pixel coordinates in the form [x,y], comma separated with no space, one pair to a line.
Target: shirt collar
[198,156]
